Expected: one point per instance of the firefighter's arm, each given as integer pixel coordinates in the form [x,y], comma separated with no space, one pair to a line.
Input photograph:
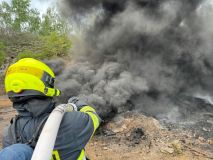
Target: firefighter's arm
[93,115]
[83,107]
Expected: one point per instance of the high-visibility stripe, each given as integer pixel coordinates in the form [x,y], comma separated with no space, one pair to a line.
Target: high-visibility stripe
[95,120]
[82,155]
[91,112]
[25,69]
[55,155]
[87,109]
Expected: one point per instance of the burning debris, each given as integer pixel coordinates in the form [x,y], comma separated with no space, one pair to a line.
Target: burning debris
[144,55]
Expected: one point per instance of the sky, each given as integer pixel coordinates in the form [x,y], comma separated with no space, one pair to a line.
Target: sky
[41,5]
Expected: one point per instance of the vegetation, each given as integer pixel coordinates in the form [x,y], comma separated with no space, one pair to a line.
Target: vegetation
[49,46]
[2,53]
[25,33]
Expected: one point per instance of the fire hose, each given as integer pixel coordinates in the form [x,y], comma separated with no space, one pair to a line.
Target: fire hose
[46,141]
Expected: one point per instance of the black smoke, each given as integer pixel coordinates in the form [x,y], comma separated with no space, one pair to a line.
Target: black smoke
[141,54]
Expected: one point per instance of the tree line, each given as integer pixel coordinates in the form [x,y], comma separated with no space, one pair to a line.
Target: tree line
[24,32]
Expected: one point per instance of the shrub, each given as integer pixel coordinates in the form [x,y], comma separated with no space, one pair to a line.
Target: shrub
[30,54]
[51,45]
[56,45]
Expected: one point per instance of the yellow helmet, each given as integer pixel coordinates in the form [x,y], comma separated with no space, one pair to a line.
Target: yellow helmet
[29,76]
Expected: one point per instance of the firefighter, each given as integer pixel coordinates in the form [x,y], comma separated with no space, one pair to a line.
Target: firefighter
[29,84]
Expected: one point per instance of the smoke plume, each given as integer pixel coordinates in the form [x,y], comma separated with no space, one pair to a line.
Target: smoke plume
[141,54]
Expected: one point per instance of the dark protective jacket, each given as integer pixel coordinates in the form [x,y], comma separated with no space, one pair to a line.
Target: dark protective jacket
[75,130]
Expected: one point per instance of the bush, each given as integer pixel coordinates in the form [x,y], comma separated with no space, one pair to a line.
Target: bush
[56,45]
[2,53]
[30,54]
[51,45]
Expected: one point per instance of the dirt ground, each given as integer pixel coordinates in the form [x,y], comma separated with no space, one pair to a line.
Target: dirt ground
[132,136]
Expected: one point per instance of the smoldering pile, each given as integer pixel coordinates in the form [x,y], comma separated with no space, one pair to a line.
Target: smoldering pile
[141,54]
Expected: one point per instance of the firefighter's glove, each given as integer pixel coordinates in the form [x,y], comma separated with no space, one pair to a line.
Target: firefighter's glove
[76,101]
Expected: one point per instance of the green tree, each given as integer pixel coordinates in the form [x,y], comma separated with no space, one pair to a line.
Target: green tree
[34,21]
[26,34]
[5,15]
[53,22]
[18,16]
[20,12]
